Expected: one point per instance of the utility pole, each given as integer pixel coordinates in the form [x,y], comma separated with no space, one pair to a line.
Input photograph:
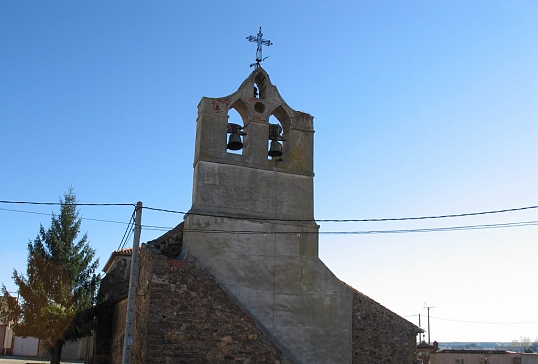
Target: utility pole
[133,281]
[419,334]
[428,308]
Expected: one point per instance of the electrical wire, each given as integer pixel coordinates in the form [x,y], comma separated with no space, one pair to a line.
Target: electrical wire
[290,220]
[126,235]
[479,322]
[356,220]
[128,231]
[361,232]
[486,323]
[438,229]
[60,203]
[50,214]
[164,210]
[436,216]
[130,224]
[130,228]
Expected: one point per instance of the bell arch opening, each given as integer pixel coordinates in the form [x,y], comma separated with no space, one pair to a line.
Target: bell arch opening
[241,108]
[279,116]
[283,117]
[277,143]
[260,86]
[235,135]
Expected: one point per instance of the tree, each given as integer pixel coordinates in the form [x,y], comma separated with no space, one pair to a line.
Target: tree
[57,292]
[526,343]
[4,310]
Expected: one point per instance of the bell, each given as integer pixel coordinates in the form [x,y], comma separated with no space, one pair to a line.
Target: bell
[276,149]
[234,142]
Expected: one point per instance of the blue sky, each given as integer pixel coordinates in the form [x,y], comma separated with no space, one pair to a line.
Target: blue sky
[420,108]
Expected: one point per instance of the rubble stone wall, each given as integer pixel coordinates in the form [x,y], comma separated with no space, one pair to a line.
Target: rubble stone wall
[379,335]
[113,290]
[116,350]
[183,316]
[190,319]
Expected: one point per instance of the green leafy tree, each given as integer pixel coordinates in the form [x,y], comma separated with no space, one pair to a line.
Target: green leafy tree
[57,292]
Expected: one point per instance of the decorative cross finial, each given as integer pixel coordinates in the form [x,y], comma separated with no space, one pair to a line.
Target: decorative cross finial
[260,41]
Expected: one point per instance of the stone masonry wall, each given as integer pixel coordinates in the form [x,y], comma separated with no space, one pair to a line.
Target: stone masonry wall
[113,290]
[183,316]
[116,350]
[379,335]
[190,319]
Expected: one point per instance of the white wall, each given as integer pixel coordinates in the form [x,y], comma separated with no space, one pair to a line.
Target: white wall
[25,346]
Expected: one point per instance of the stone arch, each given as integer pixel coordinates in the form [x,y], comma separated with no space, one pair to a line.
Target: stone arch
[281,116]
[238,113]
[242,108]
[262,80]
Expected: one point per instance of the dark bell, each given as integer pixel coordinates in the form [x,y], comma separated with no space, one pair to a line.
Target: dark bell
[234,142]
[275,149]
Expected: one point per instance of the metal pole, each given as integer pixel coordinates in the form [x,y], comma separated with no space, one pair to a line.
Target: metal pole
[428,325]
[133,280]
[428,308]
[419,334]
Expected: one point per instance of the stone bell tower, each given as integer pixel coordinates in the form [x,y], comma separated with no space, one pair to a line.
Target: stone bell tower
[252,227]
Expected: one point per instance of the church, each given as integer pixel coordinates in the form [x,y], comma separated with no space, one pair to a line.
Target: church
[240,280]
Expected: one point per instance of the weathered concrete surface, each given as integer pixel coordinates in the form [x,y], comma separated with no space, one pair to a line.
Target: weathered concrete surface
[248,192]
[280,281]
[251,226]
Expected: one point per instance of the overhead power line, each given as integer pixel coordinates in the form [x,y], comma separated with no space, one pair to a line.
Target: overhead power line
[60,203]
[359,220]
[360,232]
[128,231]
[479,322]
[50,214]
[292,220]
[436,216]
[486,323]
[130,224]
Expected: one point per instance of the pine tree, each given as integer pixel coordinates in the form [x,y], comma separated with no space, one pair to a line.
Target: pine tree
[56,294]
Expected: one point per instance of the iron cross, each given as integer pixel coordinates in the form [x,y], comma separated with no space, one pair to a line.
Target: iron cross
[260,41]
